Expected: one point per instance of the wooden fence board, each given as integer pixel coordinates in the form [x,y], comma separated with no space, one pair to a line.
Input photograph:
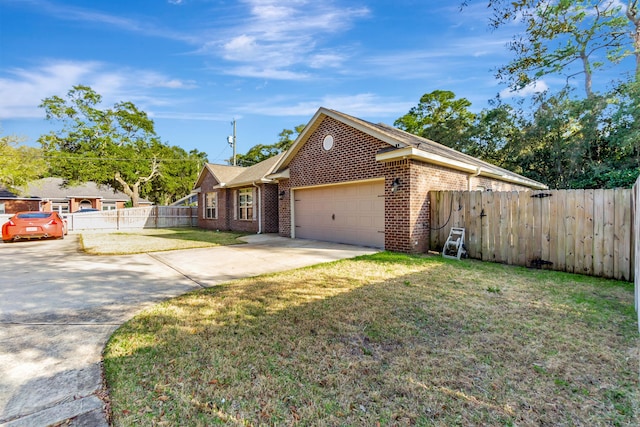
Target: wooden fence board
[561,235]
[622,227]
[475,224]
[502,248]
[522,232]
[536,248]
[608,234]
[579,231]
[587,232]
[545,227]
[553,229]
[598,232]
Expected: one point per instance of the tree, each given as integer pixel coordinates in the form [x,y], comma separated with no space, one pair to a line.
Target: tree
[441,118]
[261,152]
[116,146]
[494,134]
[19,164]
[560,33]
[178,172]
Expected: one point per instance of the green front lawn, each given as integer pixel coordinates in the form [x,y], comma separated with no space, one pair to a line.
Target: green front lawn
[385,339]
[155,240]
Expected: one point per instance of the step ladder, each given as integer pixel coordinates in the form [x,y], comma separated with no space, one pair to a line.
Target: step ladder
[454,246]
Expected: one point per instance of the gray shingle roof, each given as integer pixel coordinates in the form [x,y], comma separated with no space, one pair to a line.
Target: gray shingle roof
[238,176]
[52,189]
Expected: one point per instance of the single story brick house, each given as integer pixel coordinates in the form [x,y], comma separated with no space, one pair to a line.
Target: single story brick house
[55,196]
[346,180]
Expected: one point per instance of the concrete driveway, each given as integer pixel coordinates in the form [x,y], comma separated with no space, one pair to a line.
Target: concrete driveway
[59,306]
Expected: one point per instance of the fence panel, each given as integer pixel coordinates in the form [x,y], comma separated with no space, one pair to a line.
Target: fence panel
[635,202]
[581,231]
[134,218]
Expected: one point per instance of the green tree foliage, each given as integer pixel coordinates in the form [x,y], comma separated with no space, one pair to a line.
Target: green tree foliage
[562,33]
[440,117]
[261,152]
[116,146]
[178,172]
[19,163]
[565,143]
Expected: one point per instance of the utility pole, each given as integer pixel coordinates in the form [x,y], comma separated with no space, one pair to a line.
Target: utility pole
[232,141]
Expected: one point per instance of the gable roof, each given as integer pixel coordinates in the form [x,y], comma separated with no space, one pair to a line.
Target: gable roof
[404,145]
[239,176]
[52,189]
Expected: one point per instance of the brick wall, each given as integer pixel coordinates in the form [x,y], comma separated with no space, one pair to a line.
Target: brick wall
[284,208]
[15,206]
[270,208]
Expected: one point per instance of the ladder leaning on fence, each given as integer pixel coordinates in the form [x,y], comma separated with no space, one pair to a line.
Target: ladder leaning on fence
[454,246]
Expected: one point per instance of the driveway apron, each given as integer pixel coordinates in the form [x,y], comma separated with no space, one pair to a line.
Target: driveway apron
[58,308]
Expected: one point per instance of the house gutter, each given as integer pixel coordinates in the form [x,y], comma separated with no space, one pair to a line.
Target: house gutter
[259,209]
[436,159]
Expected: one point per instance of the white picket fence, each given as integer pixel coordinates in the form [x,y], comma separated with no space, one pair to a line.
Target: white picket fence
[134,218]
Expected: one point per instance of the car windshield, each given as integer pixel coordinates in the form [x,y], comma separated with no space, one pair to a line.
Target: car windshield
[33,215]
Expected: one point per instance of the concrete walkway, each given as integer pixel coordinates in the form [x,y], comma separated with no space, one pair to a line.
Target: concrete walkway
[58,308]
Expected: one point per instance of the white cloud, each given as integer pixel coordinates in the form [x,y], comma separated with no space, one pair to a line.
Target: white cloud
[528,90]
[22,90]
[280,40]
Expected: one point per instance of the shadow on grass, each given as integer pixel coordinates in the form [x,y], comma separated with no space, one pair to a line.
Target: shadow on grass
[384,338]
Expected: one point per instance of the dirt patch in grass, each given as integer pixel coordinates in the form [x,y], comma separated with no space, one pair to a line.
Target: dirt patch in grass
[385,339]
[155,240]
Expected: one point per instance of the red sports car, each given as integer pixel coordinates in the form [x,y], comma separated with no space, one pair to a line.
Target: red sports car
[34,225]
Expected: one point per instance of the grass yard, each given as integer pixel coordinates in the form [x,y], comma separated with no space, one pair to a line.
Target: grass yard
[385,339]
[155,240]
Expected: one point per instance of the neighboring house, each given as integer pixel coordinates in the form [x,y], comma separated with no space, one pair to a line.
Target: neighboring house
[11,203]
[346,180]
[56,197]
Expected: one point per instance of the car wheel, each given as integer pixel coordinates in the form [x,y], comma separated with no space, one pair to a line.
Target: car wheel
[7,241]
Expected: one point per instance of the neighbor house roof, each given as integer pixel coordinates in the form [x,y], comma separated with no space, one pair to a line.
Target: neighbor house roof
[404,145]
[53,189]
[5,194]
[239,176]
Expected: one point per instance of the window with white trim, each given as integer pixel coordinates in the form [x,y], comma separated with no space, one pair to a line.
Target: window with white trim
[211,205]
[245,204]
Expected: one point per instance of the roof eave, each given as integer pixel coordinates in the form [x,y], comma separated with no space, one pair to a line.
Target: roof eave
[416,154]
[285,174]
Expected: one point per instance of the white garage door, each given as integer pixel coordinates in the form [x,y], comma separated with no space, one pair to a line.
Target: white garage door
[351,213]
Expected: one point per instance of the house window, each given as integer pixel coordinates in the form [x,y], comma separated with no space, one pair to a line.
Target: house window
[2,208]
[211,206]
[245,204]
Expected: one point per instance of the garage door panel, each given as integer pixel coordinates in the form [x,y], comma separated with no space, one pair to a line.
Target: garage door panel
[352,213]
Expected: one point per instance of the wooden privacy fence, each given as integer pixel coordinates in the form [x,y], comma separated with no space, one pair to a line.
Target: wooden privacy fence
[636,245]
[134,218]
[579,231]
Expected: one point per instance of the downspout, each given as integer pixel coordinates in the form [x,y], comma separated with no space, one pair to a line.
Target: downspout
[259,210]
[473,175]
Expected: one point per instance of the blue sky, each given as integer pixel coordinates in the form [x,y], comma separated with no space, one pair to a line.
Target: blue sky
[194,65]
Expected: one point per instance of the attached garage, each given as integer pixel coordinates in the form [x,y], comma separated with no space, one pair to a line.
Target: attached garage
[345,213]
